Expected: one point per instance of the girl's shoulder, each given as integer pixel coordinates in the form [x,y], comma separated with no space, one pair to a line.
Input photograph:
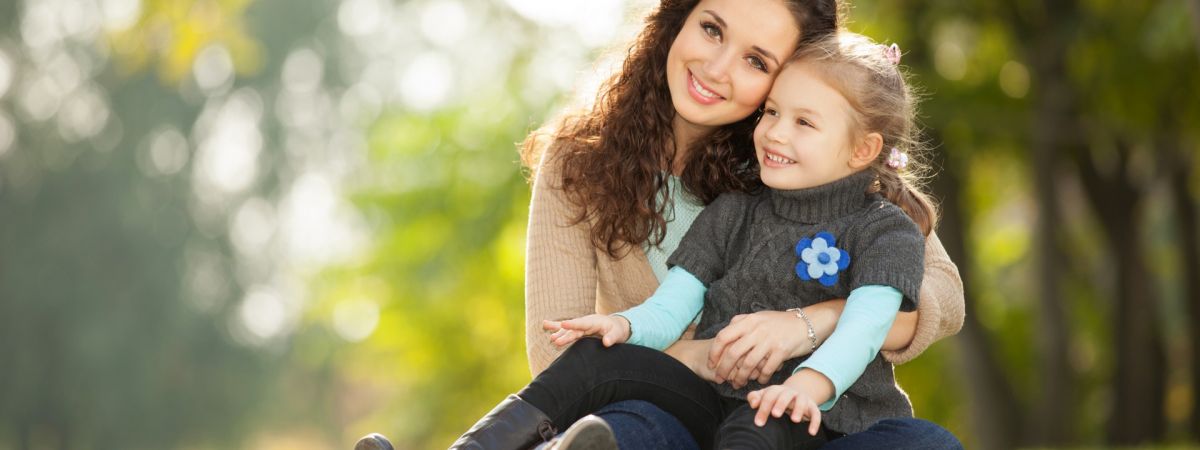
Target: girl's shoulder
[882,217]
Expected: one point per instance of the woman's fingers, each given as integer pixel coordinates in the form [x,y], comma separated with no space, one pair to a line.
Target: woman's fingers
[551,325]
[754,359]
[770,365]
[731,334]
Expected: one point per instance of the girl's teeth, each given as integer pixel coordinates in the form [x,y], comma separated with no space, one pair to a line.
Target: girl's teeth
[779,159]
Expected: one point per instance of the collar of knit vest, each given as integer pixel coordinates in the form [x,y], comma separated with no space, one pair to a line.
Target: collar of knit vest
[825,202]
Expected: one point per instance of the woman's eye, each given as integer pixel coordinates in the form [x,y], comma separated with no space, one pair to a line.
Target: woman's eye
[757,63]
[711,29]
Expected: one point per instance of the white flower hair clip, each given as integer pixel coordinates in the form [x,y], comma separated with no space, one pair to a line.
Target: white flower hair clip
[897,159]
[892,53]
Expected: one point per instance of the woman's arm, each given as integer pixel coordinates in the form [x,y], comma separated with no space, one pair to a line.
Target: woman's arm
[940,310]
[560,266]
[770,337]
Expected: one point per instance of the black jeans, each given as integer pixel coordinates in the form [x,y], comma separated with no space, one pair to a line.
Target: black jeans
[589,376]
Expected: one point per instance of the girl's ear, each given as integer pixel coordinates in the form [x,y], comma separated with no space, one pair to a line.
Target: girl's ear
[866,151]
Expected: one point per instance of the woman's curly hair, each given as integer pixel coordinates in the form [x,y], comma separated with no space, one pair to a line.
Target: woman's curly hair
[612,157]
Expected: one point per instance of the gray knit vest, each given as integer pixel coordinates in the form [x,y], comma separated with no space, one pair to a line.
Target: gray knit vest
[744,248]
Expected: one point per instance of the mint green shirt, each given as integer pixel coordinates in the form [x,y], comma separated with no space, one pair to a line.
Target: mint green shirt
[681,211]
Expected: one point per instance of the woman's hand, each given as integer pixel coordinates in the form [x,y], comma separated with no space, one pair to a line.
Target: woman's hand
[610,329]
[694,355]
[754,346]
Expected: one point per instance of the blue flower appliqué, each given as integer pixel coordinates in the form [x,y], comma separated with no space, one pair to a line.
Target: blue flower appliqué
[820,260]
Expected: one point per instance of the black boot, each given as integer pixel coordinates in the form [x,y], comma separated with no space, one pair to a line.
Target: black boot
[511,425]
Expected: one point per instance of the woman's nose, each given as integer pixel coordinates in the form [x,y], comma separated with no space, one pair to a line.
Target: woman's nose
[718,66]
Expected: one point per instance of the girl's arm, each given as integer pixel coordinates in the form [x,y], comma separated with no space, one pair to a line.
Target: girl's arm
[560,266]
[856,339]
[658,322]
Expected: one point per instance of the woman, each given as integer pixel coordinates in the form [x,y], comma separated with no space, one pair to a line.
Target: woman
[617,185]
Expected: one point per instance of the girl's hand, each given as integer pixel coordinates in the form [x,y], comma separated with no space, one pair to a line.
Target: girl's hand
[775,400]
[610,329]
[694,355]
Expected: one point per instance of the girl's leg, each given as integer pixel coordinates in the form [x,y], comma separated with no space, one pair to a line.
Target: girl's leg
[899,434]
[739,431]
[588,377]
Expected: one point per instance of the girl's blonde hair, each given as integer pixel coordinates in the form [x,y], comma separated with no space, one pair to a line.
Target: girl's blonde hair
[882,102]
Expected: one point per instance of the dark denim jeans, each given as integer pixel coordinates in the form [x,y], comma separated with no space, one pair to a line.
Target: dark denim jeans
[640,425]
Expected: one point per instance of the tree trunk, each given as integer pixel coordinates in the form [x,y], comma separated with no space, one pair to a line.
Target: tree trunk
[1137,415]
[1052,124]
[1189,252]
[995,413]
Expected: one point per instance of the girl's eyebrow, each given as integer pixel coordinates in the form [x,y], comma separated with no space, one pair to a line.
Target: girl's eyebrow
[756,48]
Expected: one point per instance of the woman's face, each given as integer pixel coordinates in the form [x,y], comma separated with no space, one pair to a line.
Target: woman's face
[725,58]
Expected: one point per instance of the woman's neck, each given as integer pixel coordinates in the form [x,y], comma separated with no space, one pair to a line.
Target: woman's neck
[686,134]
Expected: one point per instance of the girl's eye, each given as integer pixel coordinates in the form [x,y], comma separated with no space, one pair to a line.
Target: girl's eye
[711,29]
[757,63]
[770,112]
[804,123]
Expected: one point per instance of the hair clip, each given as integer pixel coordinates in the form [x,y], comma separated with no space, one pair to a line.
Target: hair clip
[897,159]
[892,53]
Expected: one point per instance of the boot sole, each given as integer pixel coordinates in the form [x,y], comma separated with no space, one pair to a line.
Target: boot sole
[588,433]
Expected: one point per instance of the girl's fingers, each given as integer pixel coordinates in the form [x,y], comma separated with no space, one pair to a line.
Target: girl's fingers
[764,409]
[551,325]
[814,419]
[754,398]
[783,403]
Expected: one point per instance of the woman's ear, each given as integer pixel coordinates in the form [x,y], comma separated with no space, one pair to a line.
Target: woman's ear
[866,151]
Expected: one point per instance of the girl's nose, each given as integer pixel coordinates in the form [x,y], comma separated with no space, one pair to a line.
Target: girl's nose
[776,132]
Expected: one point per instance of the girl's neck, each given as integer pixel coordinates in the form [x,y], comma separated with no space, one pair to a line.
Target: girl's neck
[685,134]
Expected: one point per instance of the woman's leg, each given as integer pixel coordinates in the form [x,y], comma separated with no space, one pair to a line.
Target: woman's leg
[639,425]
[899,434]
[739,431]
[589,376]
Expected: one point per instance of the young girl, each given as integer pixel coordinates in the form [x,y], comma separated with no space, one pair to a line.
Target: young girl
[836,222]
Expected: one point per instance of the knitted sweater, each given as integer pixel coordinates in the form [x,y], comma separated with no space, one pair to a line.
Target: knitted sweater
[567,277]
[745,249]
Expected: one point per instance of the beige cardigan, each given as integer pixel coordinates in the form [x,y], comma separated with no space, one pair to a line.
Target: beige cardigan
[566,277]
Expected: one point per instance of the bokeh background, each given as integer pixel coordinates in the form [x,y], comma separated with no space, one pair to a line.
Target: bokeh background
[282,224]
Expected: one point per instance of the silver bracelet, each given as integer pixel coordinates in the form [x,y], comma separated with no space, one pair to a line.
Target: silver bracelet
[812,334]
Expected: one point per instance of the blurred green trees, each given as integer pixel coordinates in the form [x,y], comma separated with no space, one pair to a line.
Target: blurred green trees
[286,223]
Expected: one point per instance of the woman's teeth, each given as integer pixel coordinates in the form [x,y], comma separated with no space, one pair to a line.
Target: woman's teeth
[705,92]
[779,159]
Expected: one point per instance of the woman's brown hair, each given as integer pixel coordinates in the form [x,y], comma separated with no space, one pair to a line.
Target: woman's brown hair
[612,157]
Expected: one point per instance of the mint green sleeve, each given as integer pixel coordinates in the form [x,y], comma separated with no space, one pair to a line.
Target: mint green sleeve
[860,332]
[661,319]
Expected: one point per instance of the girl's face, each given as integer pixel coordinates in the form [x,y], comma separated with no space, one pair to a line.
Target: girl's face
[723,61]
[804,138]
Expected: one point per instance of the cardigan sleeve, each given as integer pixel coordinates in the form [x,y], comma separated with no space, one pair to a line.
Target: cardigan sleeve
[941,308]
[560,265]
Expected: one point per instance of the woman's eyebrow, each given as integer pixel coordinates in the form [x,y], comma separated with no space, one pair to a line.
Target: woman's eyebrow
[756,48]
